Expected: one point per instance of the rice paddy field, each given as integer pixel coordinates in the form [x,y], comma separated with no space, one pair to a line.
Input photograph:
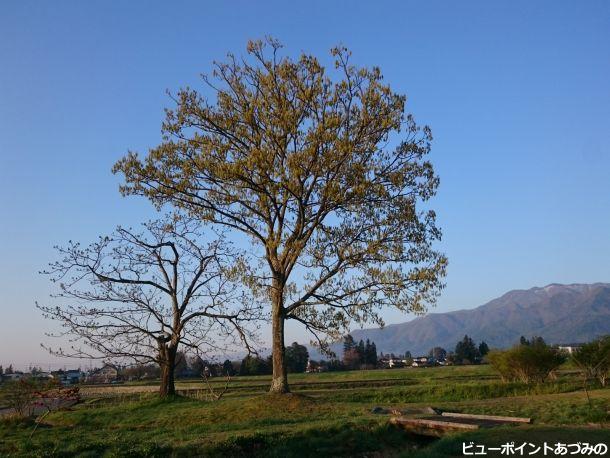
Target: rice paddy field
[328,414]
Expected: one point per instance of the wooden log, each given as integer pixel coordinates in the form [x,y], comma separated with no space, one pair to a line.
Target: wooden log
[415,411]
[436,428]
[487,417]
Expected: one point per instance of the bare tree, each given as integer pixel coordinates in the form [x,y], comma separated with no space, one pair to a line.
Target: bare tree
[216,394]
[322,170]
[140,296]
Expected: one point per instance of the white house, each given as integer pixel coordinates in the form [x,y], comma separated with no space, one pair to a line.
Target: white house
[569,348]
[420,361]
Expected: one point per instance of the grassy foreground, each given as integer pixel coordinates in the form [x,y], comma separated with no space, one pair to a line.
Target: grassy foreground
[329,415]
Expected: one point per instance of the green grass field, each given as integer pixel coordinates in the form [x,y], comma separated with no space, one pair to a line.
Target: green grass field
[329,414]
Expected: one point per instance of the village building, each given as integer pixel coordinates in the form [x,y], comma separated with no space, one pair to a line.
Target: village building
[421,361]
[569,348]
[106,374]
[13,377]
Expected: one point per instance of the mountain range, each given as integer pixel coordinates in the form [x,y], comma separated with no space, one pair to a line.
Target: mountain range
[558,313]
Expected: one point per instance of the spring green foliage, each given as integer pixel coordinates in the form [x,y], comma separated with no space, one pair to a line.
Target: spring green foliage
[324,172]
[593,359]
[527,362]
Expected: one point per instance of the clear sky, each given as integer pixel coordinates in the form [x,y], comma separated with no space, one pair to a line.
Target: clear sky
[517,94]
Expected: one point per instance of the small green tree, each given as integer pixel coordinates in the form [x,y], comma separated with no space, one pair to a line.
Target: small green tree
[528,363]
[593,359]
[499,360]
[483,348]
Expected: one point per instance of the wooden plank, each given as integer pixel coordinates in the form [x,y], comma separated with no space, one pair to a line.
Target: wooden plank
[487,417]
[436,423]
[436,428]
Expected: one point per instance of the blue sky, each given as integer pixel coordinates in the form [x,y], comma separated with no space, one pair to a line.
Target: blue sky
[517,94]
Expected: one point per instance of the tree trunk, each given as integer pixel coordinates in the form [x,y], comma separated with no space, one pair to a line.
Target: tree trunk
[168,363]
[279,381]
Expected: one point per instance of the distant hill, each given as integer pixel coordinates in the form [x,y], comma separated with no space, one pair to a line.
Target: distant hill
[558,313]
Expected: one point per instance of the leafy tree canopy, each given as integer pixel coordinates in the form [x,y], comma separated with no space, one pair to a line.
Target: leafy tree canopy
[322,169]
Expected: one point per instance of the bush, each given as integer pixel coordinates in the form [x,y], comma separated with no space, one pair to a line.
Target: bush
[594,359]
[253,365]
[499,360]
[25,396]
[19,395]
[530,363]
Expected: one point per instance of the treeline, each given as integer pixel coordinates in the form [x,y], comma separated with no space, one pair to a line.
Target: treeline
[356,355]
[185,366]
[361,355]
[530,361]
[467,352]
[296,358]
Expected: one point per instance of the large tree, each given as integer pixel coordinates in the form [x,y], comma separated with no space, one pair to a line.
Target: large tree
[141,296]
[322,169]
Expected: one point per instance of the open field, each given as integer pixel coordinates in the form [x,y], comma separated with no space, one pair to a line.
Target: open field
[329,414]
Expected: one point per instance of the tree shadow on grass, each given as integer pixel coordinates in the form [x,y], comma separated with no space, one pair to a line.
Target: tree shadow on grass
[341,441]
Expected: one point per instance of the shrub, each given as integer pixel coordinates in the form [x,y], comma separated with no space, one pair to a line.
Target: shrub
[526,363]
[19,396]
[26,396]
[499,361]
[594,359]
